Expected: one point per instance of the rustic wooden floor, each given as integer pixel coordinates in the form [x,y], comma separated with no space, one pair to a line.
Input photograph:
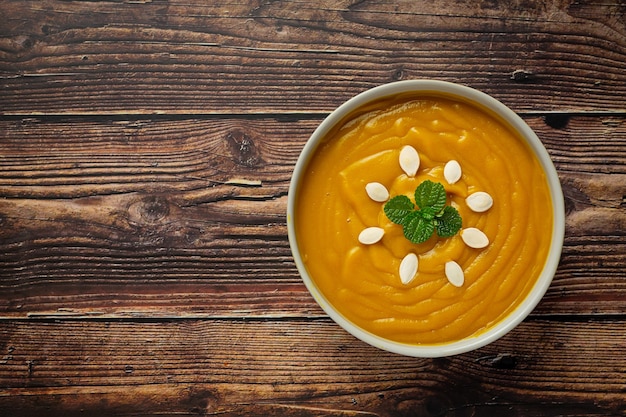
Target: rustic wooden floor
[146,149]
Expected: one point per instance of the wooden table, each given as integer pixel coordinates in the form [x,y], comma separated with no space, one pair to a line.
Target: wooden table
[146,149]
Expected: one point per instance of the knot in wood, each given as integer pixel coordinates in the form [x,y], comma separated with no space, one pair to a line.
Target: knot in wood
[243,149]
[22,43]
[398,74]
[149,210]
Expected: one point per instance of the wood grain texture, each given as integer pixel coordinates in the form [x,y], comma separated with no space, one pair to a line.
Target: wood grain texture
[146,150]
[190,57]
[187,217]
[309,368]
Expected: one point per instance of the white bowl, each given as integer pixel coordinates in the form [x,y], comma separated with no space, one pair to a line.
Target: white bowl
[516,123]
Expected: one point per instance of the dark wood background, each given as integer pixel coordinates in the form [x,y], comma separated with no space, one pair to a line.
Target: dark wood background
[146,149]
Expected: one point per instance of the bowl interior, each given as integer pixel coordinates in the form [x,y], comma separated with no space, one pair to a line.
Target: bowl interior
[419,87]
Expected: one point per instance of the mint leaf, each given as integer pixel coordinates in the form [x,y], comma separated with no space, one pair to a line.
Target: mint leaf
[428,213]
[448,223]
[416,228]
[398,208]
[430,194]
[419,224]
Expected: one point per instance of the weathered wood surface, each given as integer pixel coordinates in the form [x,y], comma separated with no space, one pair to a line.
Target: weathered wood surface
[182,57]
[146,150]
[118,208]
[289,368]
[187,217]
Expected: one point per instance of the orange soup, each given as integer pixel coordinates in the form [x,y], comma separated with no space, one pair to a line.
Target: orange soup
[361,280]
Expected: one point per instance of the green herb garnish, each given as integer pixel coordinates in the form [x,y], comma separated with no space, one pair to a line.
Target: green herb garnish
[431,214]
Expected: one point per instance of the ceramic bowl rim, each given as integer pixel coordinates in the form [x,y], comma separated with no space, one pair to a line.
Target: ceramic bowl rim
[517,123]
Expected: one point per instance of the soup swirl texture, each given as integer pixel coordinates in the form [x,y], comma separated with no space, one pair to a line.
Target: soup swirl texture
[361,281]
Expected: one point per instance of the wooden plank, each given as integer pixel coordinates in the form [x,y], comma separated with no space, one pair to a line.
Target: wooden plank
[146,149]
[189,57]
[186,218]
[211,160]
[296,368]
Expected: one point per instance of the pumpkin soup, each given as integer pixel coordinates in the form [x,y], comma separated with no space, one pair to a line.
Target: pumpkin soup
[440,289]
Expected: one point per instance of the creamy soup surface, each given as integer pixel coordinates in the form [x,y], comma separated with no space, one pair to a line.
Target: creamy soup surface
[361,281]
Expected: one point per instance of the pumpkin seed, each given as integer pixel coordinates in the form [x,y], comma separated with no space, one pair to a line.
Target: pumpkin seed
[454,273]
[452,171]
[479,201]
[409,160]
[474,238]
[377,192]
[408,268]
[371,235]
